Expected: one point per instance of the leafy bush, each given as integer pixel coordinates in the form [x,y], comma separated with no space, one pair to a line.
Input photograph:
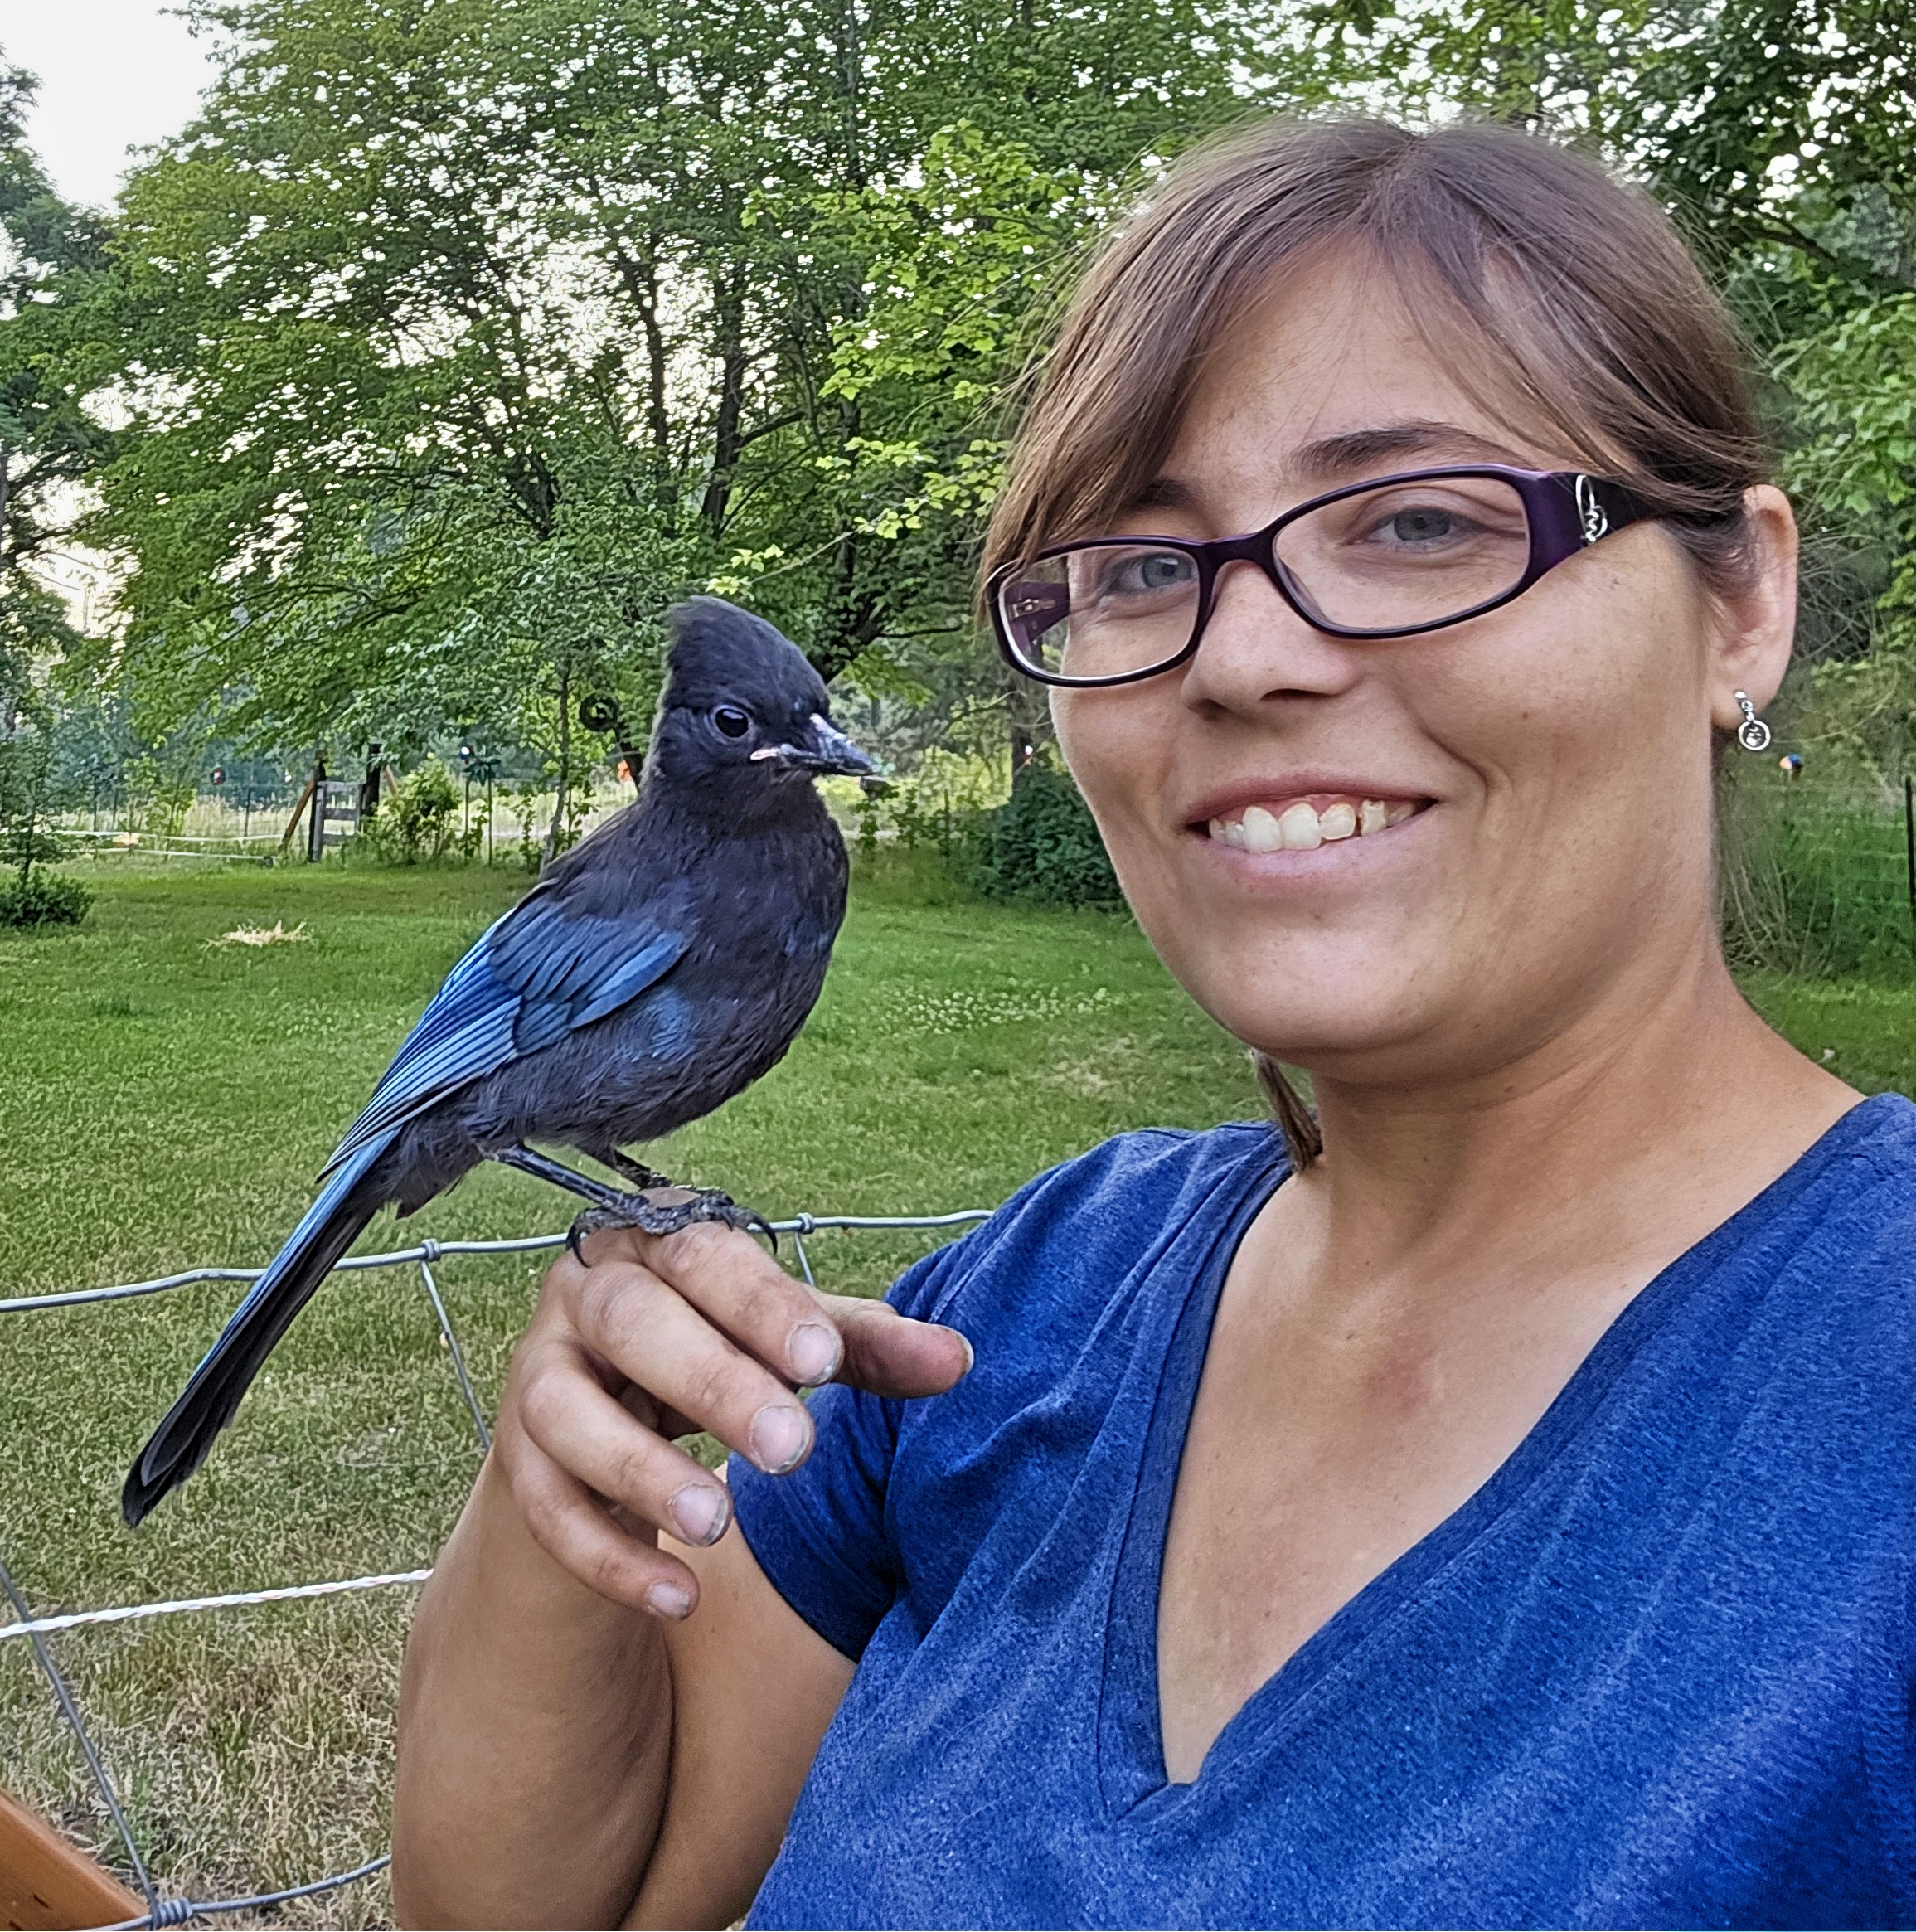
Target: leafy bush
[44,898]
[421,821]
[1042,847]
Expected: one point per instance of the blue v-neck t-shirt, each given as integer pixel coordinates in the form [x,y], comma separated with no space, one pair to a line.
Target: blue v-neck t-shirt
[1657,1671]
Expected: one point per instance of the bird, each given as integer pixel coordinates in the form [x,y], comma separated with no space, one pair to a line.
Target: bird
[657,969]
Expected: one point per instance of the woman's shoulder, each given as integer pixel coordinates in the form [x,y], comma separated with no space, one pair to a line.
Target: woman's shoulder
[1853,1233]
[1864,1212]
[1074,1232]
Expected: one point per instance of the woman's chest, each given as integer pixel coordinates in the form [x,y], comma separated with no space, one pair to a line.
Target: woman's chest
[1579,1719]
[1323,1445]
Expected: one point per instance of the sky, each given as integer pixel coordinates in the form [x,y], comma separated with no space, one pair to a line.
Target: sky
[113,73]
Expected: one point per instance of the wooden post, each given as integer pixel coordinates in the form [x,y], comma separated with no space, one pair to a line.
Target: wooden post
[298,813]
[46,1883]
[316,826]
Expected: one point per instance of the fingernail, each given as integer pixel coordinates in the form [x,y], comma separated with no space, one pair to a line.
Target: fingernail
[779,1437]
[698,1513]
[814,1351]
[667,1600]
[971,1356]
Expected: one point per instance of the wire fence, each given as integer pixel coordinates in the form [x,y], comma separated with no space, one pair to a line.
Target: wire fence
[163,1910]
[1819,872]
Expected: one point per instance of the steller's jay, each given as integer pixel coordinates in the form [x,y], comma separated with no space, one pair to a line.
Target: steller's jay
[659,968]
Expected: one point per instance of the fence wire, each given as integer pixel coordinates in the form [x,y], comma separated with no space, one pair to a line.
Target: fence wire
[36,1630]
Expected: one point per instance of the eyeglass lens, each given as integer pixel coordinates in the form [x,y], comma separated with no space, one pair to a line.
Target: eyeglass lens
[1395,558]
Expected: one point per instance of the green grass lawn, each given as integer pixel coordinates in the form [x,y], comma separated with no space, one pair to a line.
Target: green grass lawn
[164,1104]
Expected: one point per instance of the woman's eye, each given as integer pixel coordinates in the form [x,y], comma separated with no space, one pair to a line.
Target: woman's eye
[1148,573]
[732,721]
[1425,525]
[1414,526]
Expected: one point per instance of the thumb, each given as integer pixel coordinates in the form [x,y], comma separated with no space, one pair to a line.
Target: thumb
[891,1355]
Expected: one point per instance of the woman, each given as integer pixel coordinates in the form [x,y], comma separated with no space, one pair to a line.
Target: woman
[1504,1520]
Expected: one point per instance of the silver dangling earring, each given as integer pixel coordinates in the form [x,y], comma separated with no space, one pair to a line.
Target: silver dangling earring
[1752,734]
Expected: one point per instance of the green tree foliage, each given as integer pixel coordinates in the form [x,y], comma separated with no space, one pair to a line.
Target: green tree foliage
[44,898]
[50,260]
[461,336]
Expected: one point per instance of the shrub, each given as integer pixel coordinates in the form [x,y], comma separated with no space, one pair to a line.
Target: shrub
[1042,847]
[44,898]
[421,821]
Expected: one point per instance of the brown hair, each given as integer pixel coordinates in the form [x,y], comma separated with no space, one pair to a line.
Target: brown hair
[1588,314]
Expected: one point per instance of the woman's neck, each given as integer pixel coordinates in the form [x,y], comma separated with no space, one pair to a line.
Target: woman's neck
[1647,1121]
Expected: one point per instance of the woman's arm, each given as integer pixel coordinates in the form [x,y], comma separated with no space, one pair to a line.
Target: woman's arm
[754,1687]
[573,1745]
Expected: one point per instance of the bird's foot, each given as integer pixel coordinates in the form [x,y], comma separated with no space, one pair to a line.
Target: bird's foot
[636,1173]
[664,1209]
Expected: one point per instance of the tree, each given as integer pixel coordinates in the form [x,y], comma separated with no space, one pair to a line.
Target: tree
[49,258]
[462,336]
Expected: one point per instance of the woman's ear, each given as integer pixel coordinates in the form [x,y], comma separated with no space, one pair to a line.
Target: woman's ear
[1756,625]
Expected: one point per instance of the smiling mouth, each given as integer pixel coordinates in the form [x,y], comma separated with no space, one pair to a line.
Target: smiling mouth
[1304,824]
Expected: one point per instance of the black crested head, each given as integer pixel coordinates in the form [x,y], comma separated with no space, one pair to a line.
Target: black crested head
[742,709]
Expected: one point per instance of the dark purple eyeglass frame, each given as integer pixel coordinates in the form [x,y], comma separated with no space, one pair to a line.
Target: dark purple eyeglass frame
[1567,510]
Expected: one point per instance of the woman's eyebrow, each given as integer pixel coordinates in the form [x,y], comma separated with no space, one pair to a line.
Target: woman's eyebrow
[1352,453]
[1164,493]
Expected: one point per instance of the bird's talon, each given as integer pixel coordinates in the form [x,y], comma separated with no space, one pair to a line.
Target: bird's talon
[582,1225]
[665,1211]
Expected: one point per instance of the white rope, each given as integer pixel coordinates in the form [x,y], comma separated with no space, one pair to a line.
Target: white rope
[235,1600]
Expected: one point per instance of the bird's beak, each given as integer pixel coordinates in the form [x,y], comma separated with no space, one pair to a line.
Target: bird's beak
[821,748]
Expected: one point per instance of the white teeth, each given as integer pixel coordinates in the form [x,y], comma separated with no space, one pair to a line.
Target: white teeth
[1300,827]
[1262,832]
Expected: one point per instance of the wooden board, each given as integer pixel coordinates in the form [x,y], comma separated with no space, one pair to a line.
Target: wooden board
[45,1882]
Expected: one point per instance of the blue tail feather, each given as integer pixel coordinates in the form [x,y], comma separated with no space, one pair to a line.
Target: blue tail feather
[330,1226]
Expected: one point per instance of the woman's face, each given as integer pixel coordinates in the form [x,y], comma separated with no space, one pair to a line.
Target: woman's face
[1546,766]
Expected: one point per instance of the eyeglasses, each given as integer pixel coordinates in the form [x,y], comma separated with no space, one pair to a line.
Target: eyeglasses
[1390,558]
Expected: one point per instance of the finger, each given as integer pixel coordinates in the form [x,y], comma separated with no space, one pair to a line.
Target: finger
[892,1355]
[594,1440]
[653,1335]
[576,1533]
[738,1287]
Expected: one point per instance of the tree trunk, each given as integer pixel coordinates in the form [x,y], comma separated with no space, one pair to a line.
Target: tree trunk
[643,281]
[32,831]
[557,832]
[728,340]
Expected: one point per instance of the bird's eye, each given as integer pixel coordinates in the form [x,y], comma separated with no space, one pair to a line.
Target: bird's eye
[731,721]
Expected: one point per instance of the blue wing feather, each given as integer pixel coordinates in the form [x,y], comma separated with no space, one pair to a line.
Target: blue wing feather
[532,978]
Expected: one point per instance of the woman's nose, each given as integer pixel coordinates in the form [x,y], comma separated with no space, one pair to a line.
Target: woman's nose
[1255,648]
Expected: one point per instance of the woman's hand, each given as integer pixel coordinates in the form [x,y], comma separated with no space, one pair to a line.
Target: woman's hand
[656,1337]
